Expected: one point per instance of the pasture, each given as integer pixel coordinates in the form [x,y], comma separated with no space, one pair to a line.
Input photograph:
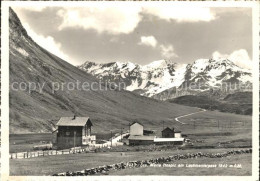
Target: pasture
[75,162]
[209,131]
[205,128]
[187,170]
[25,142]
[213,128]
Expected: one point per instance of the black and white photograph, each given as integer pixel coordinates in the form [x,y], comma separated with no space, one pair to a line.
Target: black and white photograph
[130,89]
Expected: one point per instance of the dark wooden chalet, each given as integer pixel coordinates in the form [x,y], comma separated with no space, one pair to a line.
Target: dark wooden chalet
[171,133]
[71,131]
[168,133]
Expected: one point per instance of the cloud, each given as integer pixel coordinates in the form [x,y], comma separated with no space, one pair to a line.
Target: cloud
[111,19]
[117,19]
[216,55]
[167,51]
[47,43]
[238,57]
[36,8]
[181,14]
[148,41]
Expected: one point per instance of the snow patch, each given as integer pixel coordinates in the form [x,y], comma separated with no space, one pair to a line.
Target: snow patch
[161,75]
[22,51]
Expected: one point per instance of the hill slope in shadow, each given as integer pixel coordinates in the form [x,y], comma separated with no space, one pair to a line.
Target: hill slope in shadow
[38,111]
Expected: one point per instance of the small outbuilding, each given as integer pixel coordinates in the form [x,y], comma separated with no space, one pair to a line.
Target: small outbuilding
[177,134]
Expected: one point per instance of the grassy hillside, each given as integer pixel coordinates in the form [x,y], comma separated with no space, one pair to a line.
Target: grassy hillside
[38,111]
[193,100]
[239,97]
[239,103]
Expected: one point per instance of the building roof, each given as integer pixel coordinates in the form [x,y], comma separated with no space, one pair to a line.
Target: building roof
[167,129]
[74,121]
[168,139]
[137,123]
[175,130]
[151,138]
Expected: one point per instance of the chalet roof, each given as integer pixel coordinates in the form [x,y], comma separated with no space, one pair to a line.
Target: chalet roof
[176,130]
[74,121]
[137,123]
[167,129]
[151,138]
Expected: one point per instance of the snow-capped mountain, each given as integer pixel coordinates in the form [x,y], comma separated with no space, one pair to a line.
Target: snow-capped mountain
[160,76]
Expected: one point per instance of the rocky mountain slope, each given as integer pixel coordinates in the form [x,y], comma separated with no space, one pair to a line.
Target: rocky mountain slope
[164,79]
[38,111]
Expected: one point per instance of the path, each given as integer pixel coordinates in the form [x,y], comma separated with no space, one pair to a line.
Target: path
[177,119]
[115,141]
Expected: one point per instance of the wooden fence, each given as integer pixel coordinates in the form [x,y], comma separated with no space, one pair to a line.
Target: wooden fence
[33,154]
[89,148]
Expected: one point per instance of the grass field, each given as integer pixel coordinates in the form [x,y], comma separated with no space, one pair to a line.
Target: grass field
[25,142]
[74,162]
[244,160]
[218,129]
[207,121]
[212,130]
[202,127]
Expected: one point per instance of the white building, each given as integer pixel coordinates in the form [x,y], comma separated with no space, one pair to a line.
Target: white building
[136,129]
[177,134]
[88,139]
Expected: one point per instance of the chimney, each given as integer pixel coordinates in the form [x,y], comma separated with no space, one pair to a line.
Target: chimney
[74,117]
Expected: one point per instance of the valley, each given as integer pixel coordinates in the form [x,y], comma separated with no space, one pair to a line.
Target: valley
[195,102]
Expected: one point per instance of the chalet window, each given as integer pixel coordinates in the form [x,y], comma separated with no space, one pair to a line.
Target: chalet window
[67,133]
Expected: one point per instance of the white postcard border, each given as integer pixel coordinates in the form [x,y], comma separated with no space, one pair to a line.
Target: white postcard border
[5,91]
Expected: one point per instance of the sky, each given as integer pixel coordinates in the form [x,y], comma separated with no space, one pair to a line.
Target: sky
[141,33]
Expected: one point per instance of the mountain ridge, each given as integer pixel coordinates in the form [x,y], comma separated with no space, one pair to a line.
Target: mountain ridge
[159,76]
